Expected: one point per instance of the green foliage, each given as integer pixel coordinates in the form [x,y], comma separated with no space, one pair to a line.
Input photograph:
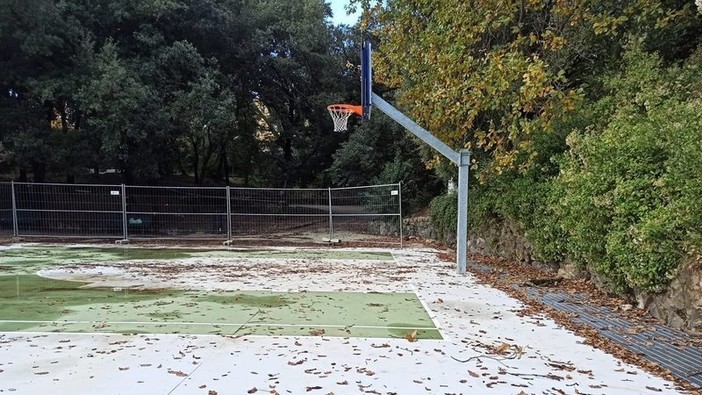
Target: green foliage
[493,78]
[622,197]
[158,87]
[525,200]
[628,190]
[444,211]
[381,152]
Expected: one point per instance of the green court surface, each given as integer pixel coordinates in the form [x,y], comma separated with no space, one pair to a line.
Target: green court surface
[31,259]
[31,303]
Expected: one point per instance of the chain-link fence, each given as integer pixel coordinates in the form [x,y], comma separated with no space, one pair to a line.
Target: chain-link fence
[6,221]
[358,214]
[67,210]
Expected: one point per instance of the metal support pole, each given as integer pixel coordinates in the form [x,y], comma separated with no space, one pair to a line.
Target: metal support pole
[229,213]
[462,159]
[331,218]
[399,197]
[15,227]
[415,129]
[125,232]
[462,225]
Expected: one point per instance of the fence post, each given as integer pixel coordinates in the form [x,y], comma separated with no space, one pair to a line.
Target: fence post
[229,213]
[331,223]
[15,227]
[125,234]
[399,193]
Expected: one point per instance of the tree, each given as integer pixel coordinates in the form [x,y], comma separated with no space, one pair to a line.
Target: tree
[122,116]
[381,152]
[491,77]
[204,114]
[298,75]
[39,74]
[629,192]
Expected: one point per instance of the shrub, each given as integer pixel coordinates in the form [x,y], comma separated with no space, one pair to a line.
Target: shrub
[629,190]
[444,212]
[622,196]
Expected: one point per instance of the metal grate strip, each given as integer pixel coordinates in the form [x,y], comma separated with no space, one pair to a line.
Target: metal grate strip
[659,344]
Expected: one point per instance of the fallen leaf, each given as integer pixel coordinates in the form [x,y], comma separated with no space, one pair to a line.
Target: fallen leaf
[317,332]
[411,336]
[294,363]
[501,349]
[316,387]
[473,374]
[252,391]
[562,366]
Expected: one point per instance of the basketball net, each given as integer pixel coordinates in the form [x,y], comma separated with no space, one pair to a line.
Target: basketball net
[341,113]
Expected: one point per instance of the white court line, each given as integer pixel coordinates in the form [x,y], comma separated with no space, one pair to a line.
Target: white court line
[219,324]
[158,335]
[433,315]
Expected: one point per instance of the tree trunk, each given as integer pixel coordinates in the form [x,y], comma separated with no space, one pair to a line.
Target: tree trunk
[127,176]
[196,160]
[39,170]
[224,164]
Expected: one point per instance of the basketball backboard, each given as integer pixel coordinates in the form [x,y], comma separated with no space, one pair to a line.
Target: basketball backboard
[366,80]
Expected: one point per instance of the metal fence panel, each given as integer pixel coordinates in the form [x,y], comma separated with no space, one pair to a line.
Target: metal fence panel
[171,212]
[68,210]
[279,213]
[6,227]
[361,211]
[288,215]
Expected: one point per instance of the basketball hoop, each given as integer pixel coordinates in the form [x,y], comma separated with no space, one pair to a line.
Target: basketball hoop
[341,113]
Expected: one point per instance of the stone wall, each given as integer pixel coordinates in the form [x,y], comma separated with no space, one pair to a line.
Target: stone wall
[419,227]
[680,305]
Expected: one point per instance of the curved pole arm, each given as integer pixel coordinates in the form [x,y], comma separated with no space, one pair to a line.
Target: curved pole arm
[415,129]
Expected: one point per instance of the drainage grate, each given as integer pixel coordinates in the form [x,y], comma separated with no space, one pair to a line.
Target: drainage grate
[657,343]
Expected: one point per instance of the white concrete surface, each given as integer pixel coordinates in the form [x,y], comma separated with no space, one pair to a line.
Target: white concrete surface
[541,358]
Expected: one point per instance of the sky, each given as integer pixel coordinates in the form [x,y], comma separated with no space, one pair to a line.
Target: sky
[340,13]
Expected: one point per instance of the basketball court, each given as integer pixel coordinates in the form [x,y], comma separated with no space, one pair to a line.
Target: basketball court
[80,290]
[286,320]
